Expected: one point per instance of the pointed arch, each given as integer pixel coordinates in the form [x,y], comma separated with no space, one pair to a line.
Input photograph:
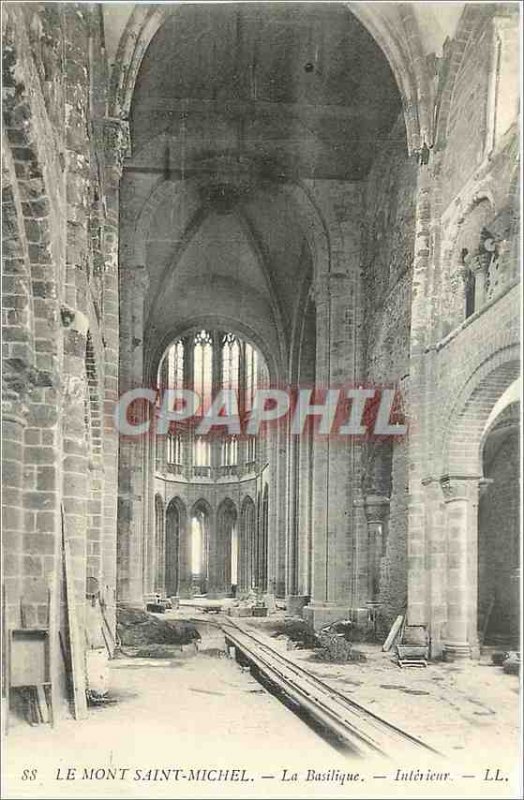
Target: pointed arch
[199,539]
[175,546]
[395,31]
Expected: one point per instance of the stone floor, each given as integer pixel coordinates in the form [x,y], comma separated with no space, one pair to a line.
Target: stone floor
[460,708]
[202,711]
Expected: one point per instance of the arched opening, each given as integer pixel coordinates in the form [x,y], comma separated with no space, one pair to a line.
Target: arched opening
[225,550]
[175,547]
[243,249]
[499,533]
[474,530]
[205,361]
[198,548]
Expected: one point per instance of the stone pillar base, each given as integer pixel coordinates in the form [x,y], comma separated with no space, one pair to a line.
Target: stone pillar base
[456,651]
[320,614]
[295,604]
[218,594]
[133,602]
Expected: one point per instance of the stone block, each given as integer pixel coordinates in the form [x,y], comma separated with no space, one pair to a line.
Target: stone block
[318,616]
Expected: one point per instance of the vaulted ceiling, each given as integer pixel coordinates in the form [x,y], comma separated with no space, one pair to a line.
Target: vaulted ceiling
[301,86]
[232,104]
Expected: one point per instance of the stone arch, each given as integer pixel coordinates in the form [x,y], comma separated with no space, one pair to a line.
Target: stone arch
[216,321]
[472,16]
[406,61]
[462,486]
[476,399]
[176,566]
[511,397]
[398,37]
[308,212]
[476,209]
[202,510]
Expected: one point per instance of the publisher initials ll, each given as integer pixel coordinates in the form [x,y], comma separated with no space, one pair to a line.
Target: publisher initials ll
[496,776]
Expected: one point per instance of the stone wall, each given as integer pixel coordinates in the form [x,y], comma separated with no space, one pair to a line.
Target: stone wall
[387,272]
[459,368]
[59,313]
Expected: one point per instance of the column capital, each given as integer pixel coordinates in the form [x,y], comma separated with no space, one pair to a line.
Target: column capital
[114,137]
[458,487]
[376,507]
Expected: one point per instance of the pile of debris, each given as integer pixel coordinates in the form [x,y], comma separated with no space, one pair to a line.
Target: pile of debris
[139,629]
[335,648]
[336,642]
[298,633]
[509,661]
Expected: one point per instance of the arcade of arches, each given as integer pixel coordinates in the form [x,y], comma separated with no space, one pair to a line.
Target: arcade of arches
[245,194]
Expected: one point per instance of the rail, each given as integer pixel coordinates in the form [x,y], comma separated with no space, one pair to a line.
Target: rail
[358,728]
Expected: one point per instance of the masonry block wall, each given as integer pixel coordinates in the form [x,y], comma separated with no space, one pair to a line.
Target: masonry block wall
[382,263]
[463,365]
[387,271]
[59,335]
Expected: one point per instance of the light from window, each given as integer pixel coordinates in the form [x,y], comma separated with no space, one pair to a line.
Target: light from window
[229,452]
[196,545]
[230,361]
[174,449]
[203,368]
[251,375]
[202,452]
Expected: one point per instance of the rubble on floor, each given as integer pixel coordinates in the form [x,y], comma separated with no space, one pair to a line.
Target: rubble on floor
[335,648]
[139,629]
[295,630]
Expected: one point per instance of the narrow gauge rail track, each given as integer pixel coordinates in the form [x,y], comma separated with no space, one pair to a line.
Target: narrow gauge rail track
[355,726]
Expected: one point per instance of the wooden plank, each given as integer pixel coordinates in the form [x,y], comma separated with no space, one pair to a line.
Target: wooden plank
[76,649]
[43,709]
[54,645]
[392,635]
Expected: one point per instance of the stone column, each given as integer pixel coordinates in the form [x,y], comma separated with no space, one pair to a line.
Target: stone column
[133,482]
[111,137]
[377,510]
[461,498]
[304,513]
[333,459]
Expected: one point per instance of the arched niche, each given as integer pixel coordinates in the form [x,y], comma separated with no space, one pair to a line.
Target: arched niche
[176,565]
[200,526]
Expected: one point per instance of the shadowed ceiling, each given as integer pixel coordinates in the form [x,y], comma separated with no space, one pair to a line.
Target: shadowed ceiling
[302,87]
[233,104]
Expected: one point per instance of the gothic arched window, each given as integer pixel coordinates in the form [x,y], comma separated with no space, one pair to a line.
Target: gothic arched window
[230,361]
[203,368]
